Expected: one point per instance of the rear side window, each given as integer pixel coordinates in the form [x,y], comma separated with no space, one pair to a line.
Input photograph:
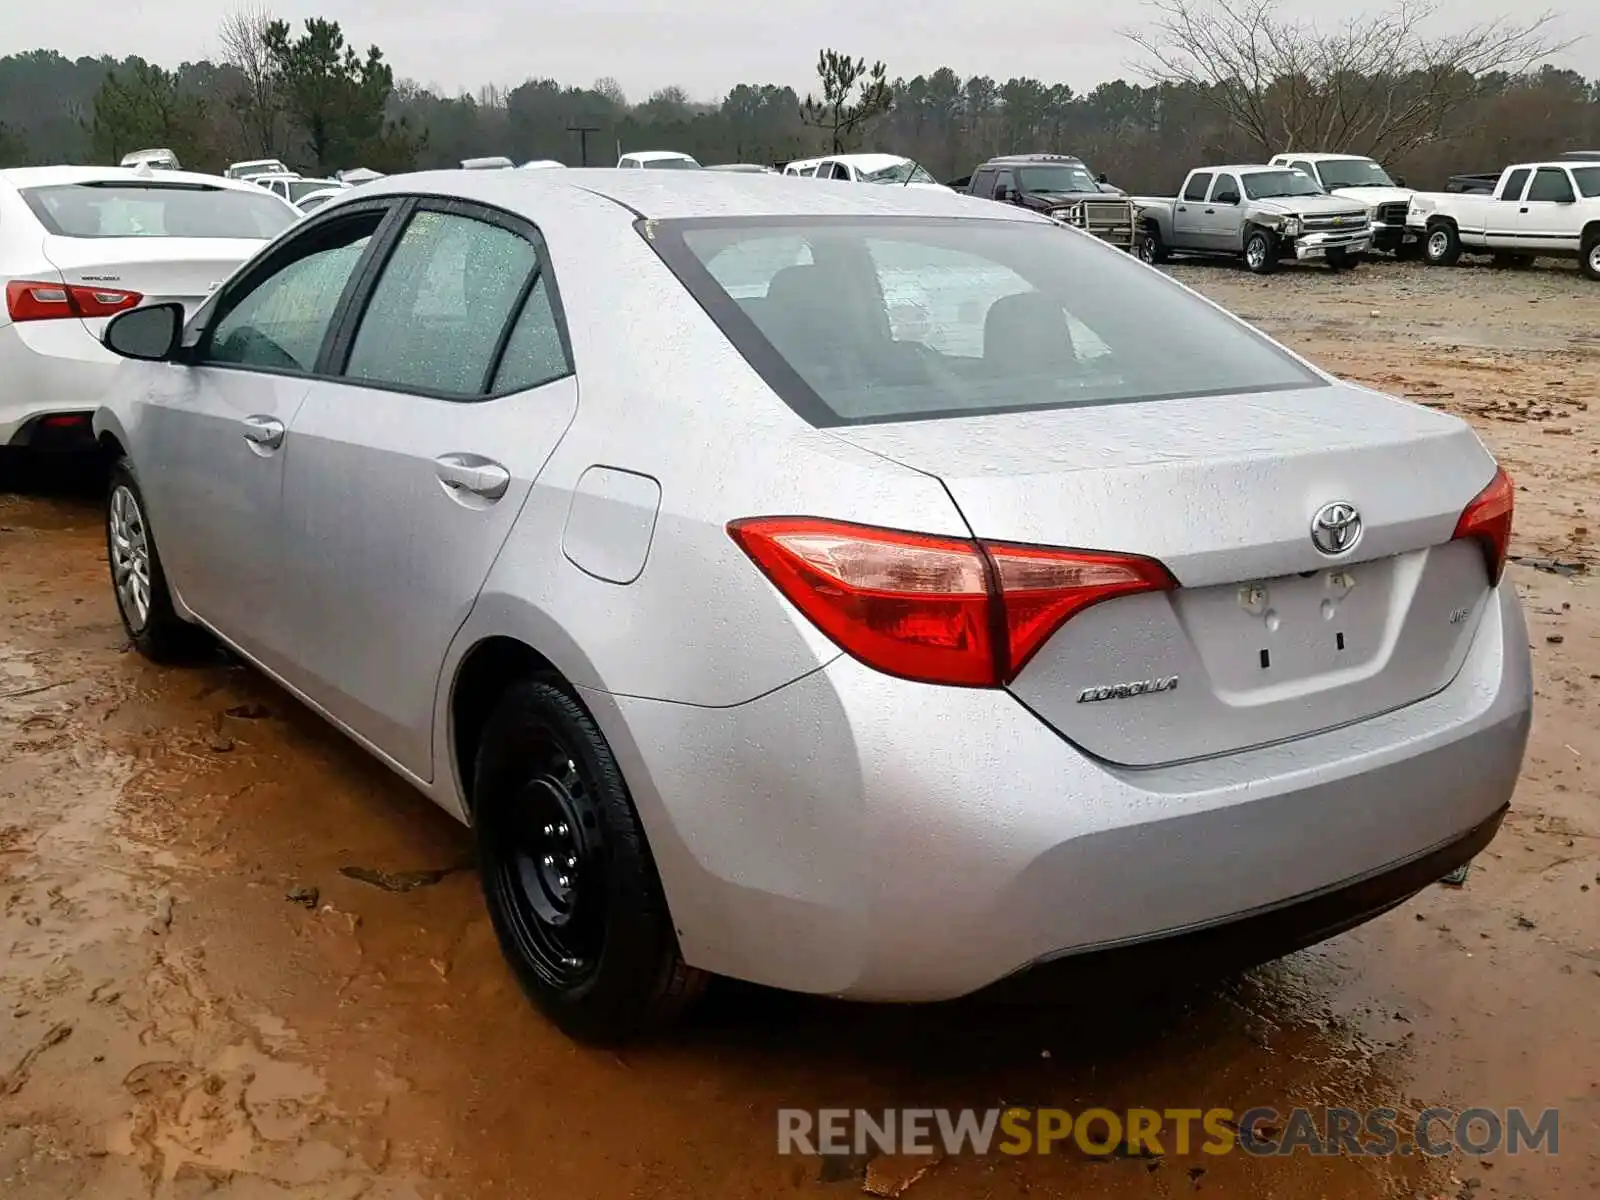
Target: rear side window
[1588,181]
[856,320]
[1198,184]
[446,294]
[535,353]
[1515,182]
[132,210]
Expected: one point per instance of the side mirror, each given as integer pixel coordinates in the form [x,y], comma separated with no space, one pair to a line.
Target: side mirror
[149,334]
[1226,198]
[1006,195]
[1400,181]
[1102,178]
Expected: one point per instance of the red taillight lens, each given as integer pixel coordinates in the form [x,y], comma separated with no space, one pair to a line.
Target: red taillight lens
[32,300]
[935,609]
[1488,519]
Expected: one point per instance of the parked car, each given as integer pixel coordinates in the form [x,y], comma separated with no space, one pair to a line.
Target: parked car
[839,712]
[495,162]
[311,201]
[257,166]
[1058,185]
[541,164]
[291,186]
[1357,177]
[81,244]
[890,169]
[743,168]
[658,160]
[802,166]
[1259,213]
[1540,209]
[156,160]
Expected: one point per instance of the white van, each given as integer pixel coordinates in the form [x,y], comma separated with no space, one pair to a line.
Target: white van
[657,160]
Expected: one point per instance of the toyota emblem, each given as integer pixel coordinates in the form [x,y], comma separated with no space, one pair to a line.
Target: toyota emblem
[1336,528]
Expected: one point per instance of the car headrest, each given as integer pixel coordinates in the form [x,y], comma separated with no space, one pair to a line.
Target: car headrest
[1029,331]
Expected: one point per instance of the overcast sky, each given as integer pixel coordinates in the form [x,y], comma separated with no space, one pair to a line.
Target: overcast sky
[706,46]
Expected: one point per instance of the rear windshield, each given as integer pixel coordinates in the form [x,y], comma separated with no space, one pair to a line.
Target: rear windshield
[127,210]
[853,320]
[670,164]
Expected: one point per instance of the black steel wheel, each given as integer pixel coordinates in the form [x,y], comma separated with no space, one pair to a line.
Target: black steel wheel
[571,887]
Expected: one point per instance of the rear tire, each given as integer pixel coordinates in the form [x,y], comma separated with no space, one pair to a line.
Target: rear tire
[572,890]
[138,582]
[1261,252]
[1442,247]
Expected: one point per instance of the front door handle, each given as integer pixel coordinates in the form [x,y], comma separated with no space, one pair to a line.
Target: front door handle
[1211,210]
[266,432]
[469,473]
[1183,208]
[1524,208]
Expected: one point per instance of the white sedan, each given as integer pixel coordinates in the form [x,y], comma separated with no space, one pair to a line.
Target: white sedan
[79,245]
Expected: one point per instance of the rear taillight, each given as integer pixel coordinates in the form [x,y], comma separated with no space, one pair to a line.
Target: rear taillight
[936,609]
[1488,519]
[33,300]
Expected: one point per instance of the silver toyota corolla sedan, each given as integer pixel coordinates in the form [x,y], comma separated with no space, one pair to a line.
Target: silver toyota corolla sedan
[869,592]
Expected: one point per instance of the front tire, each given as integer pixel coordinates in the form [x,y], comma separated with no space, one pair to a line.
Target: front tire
[1261,252]
[572,890]
[1151,248]
[1589,256]
[1442,246]
[138,581]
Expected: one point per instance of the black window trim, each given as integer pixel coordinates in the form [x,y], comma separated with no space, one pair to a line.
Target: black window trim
[399,208]
[345,328]
[287,249]
[665,237]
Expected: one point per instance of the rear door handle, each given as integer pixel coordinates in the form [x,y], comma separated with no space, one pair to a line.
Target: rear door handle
[266,432]
[469,473]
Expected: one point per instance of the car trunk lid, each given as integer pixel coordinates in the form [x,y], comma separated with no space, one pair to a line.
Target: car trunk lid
[1267,638]
[160,269]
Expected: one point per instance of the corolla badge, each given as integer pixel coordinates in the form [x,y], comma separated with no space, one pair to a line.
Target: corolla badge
[1336,528]
[1122,691]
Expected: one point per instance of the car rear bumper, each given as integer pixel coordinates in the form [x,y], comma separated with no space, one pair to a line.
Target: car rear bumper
[862,836]
[48,368]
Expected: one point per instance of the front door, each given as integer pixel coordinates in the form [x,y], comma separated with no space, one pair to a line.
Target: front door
[1220,217]
[1548,221]
[407,473]
[1188,213]
[212,437]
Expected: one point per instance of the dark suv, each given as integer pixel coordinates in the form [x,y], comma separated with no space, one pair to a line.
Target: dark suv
[1059,186]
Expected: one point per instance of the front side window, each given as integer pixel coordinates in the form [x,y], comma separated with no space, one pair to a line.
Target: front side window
[1271,185]
[157,209]
[281,322]
[888,319]
[1226,190]
[1551,185]
[435,317]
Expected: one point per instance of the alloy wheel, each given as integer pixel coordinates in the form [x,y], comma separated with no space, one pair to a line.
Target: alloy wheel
[130,558]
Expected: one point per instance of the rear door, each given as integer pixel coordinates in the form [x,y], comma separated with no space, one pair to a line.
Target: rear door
[210,446]
[1188,224]
[406,473]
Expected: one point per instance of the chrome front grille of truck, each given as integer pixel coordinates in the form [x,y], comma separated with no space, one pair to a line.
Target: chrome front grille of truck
[1335,222]
[1393,213]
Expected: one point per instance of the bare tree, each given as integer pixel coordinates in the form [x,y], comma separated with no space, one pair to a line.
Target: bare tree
[1379,84]
[835,112]
[254,99]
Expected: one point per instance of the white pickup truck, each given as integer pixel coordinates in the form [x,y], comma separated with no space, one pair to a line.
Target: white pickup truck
[1357,177]
[1537,210]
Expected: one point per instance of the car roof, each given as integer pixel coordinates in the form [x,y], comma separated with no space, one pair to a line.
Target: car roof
[1324,157]
[867,162]
[656,155]
[24,177]
[1030,159]
[1240,168]
[671,195]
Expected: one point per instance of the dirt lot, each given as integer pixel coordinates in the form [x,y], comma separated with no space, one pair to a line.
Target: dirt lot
[217,982]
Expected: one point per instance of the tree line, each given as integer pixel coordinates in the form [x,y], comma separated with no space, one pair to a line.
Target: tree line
[1220,80]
